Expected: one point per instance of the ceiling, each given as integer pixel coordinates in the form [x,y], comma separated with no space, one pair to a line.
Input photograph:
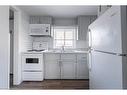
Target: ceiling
[60,11]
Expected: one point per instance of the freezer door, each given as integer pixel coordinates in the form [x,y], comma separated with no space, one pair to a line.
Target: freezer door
[106,31]
[105,71]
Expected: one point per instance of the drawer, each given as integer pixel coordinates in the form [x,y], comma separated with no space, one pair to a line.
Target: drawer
[51,61]
[82,61]
[68,60]
[35,67]
[81,56]
[32,76]
[68,57]
[51,57]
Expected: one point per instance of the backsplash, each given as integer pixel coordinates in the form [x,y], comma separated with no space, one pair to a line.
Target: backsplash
[81,45]
[49,41]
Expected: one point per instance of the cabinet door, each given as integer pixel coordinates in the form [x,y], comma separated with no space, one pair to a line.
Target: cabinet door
[68,70]
[82,67]
[52,70]
[52,66]
[40,20]
[83,23]
[68,63]
[34,20]
[45,20]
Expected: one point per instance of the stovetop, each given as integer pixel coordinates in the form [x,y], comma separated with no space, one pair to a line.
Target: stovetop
[34,50]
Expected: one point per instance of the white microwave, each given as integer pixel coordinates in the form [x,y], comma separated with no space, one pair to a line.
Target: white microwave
[40,30]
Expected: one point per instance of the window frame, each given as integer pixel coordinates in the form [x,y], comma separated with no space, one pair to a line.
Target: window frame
[65,27]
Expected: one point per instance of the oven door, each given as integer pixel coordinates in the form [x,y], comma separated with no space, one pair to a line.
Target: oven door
[32,62]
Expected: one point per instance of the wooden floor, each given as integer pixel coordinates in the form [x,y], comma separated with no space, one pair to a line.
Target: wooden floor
[54,84]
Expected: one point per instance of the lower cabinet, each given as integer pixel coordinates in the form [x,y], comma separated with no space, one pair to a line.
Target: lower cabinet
[68,70]
[52,70]
[66,66]
[82,67]
[52,66]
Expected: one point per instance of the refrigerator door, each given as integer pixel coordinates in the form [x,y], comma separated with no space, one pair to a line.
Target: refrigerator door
[106,31]
[105,71]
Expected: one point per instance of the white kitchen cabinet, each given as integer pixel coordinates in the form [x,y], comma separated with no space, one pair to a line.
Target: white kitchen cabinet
[68,66]
[82,67]
[68,70]
[83,23]
[52,66]
[40,20]
[52,70]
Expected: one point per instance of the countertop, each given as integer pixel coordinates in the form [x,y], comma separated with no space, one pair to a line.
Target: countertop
[65,51]
[58,52]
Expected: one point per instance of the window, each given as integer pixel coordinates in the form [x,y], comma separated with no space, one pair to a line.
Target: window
[64,36]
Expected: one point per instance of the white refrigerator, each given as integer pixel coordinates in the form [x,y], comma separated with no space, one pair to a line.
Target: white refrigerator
[108,50]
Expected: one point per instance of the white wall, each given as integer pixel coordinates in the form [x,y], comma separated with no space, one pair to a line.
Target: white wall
[24,39]
[49,40]
[82,44]
[22,42]
[4,47]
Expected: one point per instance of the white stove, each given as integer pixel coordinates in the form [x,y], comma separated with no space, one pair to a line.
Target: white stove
[32,63]
[32,66]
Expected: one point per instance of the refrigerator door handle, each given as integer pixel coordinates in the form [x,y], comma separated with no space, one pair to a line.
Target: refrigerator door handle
[118,54]
[90,62]
[122,55]
[90,38]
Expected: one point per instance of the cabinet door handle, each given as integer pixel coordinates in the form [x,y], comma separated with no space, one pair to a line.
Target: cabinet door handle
[61,63]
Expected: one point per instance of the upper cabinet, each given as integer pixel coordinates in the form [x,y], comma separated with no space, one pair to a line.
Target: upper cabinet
[40,20]
[40,25]
[83,23]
